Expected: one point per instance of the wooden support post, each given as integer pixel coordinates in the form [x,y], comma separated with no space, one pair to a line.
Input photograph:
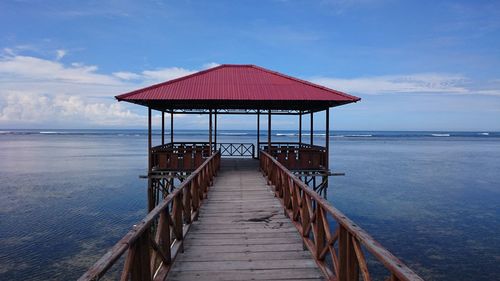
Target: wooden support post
[327,138]
[312,128]
[141,268]
[172,127]
[269,131]
[258,132]
[163,127]
[348,263]
[177,210]
[300,128]
[210,131]
[215,130]
[151,195]
[150,163]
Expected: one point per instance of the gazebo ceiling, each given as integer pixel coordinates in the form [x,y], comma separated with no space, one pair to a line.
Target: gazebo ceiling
[237,89]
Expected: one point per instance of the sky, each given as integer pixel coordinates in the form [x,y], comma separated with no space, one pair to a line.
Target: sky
[417,65]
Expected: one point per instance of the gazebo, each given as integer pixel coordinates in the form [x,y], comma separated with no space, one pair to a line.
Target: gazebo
[257,217]
[236,89]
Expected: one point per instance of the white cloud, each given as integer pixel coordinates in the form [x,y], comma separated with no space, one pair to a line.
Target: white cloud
[42,93]
[414,83]
[210,65]
[125,75]
[27,68]
[163,74]
[154,76]
[63,110]
[60,54]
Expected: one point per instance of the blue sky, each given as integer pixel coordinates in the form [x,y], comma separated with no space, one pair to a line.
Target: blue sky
[417,65]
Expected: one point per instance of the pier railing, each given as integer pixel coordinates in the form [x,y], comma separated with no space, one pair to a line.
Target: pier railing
[152,245]
[339,247]
[297,156]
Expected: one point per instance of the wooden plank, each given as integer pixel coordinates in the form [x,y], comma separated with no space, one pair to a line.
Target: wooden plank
[244,248]
[245,256]
[244,265]
[243,235]
[239,241]
[240,275]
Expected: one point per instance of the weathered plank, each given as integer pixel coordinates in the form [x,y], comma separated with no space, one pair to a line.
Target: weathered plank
[242,234]
[239,275]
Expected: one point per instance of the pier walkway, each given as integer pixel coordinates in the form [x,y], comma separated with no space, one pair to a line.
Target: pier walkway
[242,233]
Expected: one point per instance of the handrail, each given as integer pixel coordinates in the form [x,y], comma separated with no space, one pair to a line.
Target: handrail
[154,242]
[309,213]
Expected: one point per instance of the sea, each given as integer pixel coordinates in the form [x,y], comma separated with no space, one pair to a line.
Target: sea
[431,198]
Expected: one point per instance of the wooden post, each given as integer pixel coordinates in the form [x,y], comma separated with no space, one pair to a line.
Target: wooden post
[172,126]
[300,128]
[150,164]
[151,199]
[327,137]
[215,130]
[348,264]
[163,127]
[141,269]
[210,131]
[312,128]
[269,131]
[258,132]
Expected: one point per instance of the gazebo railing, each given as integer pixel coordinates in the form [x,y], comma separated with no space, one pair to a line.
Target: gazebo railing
[337,244]
[152,245]
[179,156]
[297,156]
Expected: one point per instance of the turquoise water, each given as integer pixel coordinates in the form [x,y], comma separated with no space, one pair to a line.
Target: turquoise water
[432,198]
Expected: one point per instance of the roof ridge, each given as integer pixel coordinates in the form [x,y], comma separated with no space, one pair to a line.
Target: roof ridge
[304,81]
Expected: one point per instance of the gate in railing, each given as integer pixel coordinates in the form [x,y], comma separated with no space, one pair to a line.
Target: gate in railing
[236,149]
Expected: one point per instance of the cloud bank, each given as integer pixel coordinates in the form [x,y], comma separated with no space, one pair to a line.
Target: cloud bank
[38,92]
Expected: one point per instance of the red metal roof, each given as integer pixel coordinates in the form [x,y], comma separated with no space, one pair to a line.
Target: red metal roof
[237,83]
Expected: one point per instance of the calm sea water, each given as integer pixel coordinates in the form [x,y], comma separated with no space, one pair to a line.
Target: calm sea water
[432,198]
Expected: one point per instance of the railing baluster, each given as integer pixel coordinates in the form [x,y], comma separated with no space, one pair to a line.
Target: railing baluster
[361,259]
[129,261]
[141,271]
[187,204]
[320,234]
[177,217]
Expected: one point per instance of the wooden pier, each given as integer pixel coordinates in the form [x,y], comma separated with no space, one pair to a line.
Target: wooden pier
[242,233]
[259,218]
